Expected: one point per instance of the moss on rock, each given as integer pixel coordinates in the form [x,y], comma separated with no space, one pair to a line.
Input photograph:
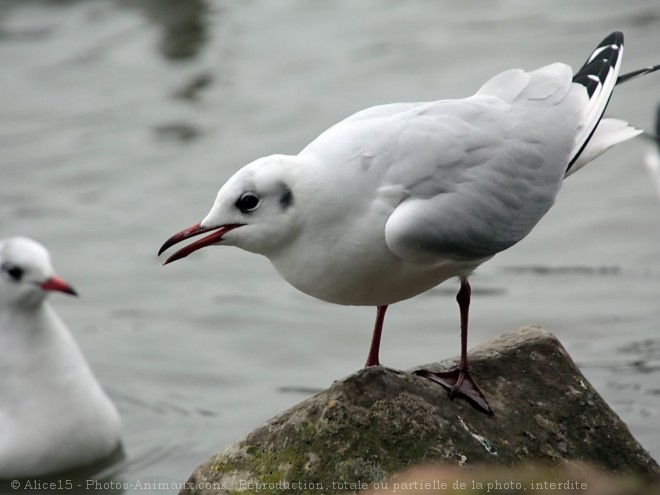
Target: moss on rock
[379,421]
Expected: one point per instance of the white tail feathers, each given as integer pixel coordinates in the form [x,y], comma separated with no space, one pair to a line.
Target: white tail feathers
[609,132]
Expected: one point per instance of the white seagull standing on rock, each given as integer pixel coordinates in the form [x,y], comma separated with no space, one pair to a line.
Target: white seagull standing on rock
[54,416]
[398,198]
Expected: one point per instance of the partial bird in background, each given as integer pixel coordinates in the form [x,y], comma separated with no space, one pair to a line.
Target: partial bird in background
[652,157]
[54,415]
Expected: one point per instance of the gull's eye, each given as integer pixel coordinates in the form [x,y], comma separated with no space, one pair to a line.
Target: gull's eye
[14,271]
[247,202]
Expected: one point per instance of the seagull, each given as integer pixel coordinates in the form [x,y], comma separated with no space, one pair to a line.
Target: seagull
[396,199]
[54,416]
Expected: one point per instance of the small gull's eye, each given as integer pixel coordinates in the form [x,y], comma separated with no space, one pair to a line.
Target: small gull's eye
[15,272]
[247,202]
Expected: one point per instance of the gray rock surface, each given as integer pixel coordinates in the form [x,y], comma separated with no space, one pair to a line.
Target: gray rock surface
[379,421]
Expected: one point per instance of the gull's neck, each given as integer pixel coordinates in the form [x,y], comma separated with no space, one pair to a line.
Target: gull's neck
[38,354]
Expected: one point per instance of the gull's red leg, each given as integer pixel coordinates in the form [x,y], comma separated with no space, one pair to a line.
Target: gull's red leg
[372,358]
[459,380]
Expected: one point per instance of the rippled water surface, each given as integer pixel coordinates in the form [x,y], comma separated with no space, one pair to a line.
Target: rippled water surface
[120,119]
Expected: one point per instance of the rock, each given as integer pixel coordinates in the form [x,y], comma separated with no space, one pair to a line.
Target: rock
[379,421]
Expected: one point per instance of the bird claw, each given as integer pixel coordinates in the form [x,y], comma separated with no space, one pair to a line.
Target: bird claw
[459,383]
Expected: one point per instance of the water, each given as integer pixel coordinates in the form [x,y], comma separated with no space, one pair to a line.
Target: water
[120,120]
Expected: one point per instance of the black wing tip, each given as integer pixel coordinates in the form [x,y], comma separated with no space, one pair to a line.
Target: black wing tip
[602,59]
[601,65]
[614,38]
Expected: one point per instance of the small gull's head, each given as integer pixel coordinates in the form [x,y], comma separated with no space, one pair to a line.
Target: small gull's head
[254,210]
[26,273]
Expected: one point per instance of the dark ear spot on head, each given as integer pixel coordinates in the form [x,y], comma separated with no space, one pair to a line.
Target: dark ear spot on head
[286,199]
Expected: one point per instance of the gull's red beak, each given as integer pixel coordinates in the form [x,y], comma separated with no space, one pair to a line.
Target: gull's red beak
[195,230]
[57,284]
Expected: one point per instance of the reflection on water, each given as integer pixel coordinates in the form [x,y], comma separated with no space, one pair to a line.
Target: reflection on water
[120,120]
[183,24]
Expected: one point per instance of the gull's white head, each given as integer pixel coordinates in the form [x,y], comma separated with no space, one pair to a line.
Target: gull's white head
[26,273]
[254,210]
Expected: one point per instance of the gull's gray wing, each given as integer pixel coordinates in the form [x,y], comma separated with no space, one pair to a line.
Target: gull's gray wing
[468,178]
[479,173]
[484,183]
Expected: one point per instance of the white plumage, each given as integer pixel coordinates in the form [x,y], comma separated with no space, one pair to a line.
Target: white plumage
[54,416]
[398,198]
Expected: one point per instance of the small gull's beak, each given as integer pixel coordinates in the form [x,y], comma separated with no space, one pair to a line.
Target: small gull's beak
[195,230]
[57,284]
